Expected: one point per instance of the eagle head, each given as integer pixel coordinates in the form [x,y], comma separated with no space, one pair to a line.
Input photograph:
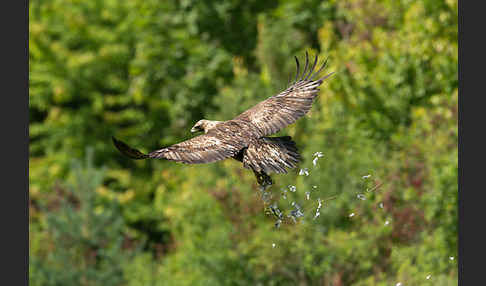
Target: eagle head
[204,125]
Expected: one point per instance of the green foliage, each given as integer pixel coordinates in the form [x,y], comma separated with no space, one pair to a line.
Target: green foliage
[78,241]
[146,71]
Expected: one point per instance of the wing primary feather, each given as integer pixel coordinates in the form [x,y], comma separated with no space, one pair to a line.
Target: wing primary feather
[285,108]
[298,66]
[326,76]
[128,151]
[312,68]
[322,67]
[306,65]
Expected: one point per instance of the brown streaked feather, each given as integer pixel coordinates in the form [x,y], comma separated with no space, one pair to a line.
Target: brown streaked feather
[271,154]
[221,142]
[200,149]
[279,111]
[242,138]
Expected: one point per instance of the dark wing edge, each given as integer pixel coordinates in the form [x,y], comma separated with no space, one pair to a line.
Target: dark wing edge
[128,151]
[279,111]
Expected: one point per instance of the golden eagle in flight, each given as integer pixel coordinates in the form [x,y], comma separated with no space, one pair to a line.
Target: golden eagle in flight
[244,137]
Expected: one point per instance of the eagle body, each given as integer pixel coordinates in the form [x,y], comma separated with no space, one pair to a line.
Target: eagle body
[245,138]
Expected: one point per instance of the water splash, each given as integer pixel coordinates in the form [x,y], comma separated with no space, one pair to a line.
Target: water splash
[318,154]
[266,196]
[296,206]
[318,210]
[304,171]
[276,211]
[296,213]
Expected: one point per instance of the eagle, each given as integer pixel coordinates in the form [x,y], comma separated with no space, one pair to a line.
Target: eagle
[246,137]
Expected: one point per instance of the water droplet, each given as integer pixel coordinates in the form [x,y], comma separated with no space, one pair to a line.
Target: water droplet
[351,214]
[284,194]
[294,204]
[318,213]
[273,245]
[361,197]
[297,212]
[304,171]
[266,196]
[276,211]
[318,154]
[451,258]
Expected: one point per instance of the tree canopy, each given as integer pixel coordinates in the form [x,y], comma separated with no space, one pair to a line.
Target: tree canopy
[146,71]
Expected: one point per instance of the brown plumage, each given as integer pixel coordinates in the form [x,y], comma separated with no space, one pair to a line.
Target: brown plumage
[244,137]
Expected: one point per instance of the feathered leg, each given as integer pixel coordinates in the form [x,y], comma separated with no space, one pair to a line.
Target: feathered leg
[263,179]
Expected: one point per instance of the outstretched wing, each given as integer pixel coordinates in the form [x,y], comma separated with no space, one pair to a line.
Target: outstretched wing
[276,112]
[205,148]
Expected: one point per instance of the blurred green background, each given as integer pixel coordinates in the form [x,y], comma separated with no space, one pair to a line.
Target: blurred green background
[147,70]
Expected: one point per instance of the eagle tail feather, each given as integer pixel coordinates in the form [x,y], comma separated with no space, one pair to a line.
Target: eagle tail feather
[271,154]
